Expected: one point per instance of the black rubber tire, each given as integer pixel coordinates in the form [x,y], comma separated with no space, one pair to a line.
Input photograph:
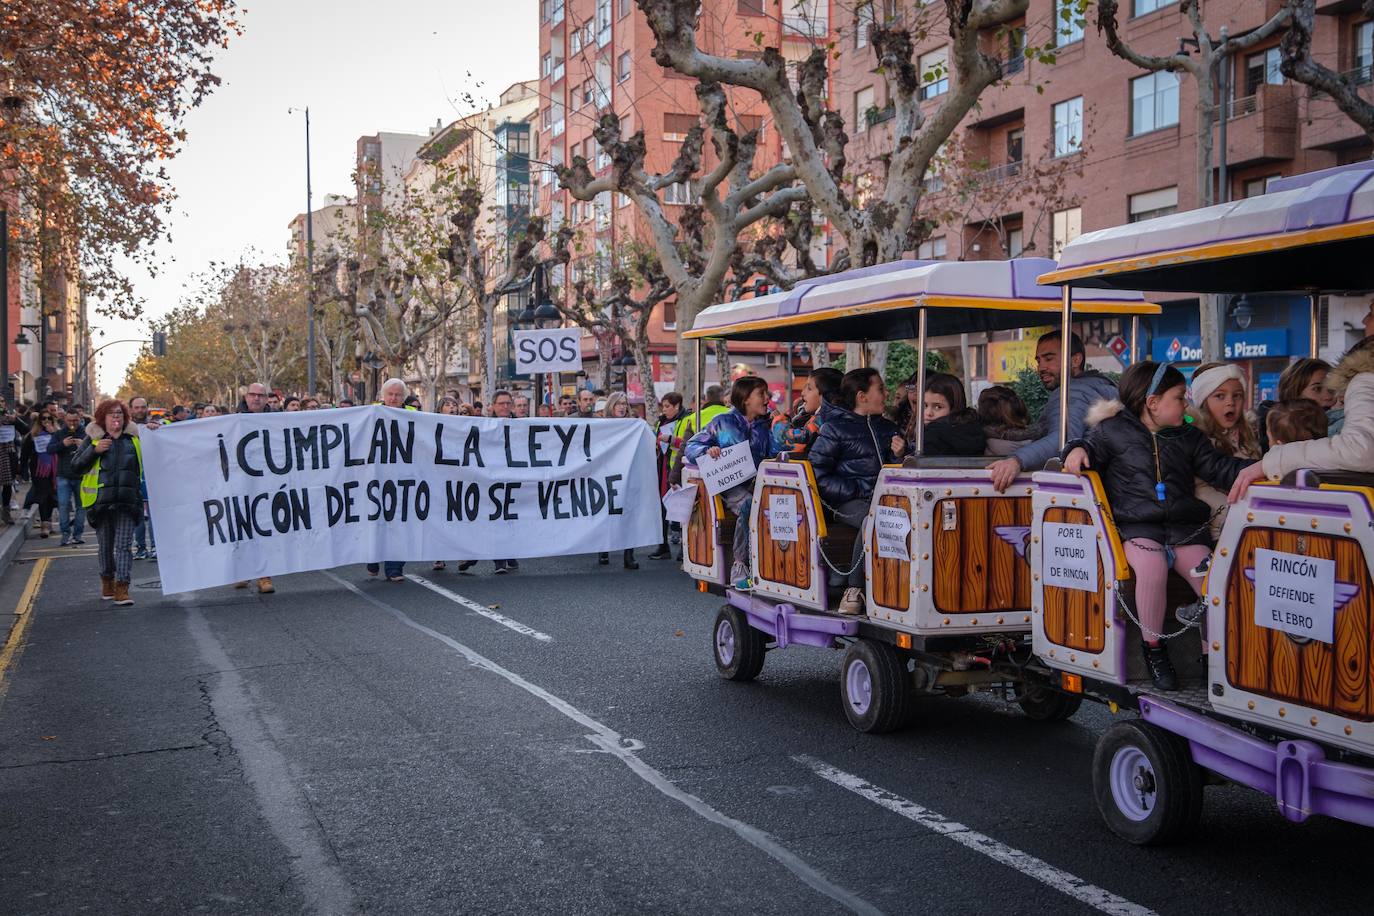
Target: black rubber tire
[749,648]
[1044,704]
[891,703]
[1178,783]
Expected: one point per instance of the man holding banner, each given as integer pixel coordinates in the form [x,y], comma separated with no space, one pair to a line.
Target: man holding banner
[727,452]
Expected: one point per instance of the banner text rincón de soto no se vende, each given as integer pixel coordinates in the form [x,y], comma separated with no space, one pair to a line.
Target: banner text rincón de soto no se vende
[249,495]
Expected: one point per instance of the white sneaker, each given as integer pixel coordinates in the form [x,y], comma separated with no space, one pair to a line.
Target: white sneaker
[852,604]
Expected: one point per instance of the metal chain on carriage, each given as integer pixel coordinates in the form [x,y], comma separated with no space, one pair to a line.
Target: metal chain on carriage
[1121,599]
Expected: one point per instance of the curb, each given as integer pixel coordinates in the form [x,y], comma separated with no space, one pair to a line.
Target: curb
[12,537]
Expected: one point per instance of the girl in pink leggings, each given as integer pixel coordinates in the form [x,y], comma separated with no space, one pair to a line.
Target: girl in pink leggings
[1149,459]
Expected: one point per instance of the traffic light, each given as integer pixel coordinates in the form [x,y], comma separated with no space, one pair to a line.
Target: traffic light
[159,343]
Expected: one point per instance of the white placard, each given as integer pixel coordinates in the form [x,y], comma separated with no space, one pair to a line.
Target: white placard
[1295,594]
[6,432]
[734,466]
[316,489]
[1070,556]
[891,525]
[782,517]
[552,350]
[678,504]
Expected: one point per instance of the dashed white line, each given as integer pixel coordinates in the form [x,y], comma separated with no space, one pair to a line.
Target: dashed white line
[476,608]
[624,750]
[1027,864]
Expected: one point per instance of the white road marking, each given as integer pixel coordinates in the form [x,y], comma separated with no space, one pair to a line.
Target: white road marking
[476,608]
[1027,864]
[624,750]
[283,805]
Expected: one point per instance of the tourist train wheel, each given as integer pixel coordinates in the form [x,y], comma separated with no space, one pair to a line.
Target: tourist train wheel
[1147,787]
[875,687]
[738,648]
[1043,704]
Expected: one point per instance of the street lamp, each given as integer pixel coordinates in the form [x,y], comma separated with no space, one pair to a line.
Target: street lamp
[1242,312]
[309,262]
[624,364]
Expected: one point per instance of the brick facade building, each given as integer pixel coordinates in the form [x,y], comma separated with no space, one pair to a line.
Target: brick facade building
[1091,141]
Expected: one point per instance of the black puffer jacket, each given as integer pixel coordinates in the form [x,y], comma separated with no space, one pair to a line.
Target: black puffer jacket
[1122,450]
[958,434]
[848,453]
[120,472]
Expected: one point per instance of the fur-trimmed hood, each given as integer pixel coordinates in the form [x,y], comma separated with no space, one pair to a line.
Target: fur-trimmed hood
[1101,411]
[1351,365]
[97,432]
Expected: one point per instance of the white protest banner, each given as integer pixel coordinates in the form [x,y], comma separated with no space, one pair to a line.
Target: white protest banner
[678,504]
[734,466]
[1070,558]
[782,517]
[251,495]
[891,525]
[1295,594]
[551,350]
[7,432]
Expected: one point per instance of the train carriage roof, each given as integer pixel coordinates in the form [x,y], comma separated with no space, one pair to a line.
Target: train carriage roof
[1308,232]
[883,302]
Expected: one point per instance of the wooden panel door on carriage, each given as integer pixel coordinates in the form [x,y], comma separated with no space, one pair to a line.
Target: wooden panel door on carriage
[1312,677]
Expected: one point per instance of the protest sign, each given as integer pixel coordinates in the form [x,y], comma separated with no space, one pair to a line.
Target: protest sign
[782,517]
[678,504]
[734,466]
[1070,559]
[1295,594]
[251,495]
[891,525]
[552,350]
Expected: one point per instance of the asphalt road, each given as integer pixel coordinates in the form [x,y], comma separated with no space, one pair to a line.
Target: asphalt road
[552,741]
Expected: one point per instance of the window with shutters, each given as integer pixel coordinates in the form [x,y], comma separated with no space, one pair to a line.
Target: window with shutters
[1152,204]
[934,70]
[677,126]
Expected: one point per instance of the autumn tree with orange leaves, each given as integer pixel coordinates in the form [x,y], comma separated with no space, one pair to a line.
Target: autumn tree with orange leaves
[92,97]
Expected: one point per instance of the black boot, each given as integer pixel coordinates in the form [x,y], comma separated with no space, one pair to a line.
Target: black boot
[664,552]
[1160,668]
[630,558]
[603,559]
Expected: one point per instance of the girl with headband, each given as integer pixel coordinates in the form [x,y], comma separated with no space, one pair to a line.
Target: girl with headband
[1148,459]
[1219,409]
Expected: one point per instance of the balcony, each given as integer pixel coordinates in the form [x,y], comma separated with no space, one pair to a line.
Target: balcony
[875,115]
[998,174]
[1326,127]
[1263,127]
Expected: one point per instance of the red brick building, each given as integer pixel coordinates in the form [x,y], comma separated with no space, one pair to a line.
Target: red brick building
[1118,142]
[594,57]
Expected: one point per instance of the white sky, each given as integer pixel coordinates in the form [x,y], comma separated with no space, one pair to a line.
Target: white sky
[362,66]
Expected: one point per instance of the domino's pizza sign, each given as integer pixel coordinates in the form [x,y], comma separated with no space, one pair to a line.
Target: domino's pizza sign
[1239,345]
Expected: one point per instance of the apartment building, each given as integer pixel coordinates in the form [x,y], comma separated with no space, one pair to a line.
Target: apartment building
[333,226]
[490,147]
[382,161]
[1090,141]
[595,57]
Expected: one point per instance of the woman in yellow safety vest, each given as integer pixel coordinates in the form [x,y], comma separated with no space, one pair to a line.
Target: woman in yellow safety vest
[111,462]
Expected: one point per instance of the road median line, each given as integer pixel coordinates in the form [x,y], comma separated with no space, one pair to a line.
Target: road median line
[1075,887]
[625,750]
[476,608]
[23,613]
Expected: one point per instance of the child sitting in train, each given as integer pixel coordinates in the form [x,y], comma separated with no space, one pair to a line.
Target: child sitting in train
[746,421]
[852,447]
[1148,459]
[1298,420]
[951,428]
[1218,396]
[1006,422]
[794,435]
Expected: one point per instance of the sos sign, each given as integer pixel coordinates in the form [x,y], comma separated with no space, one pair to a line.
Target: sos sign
[554,350]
